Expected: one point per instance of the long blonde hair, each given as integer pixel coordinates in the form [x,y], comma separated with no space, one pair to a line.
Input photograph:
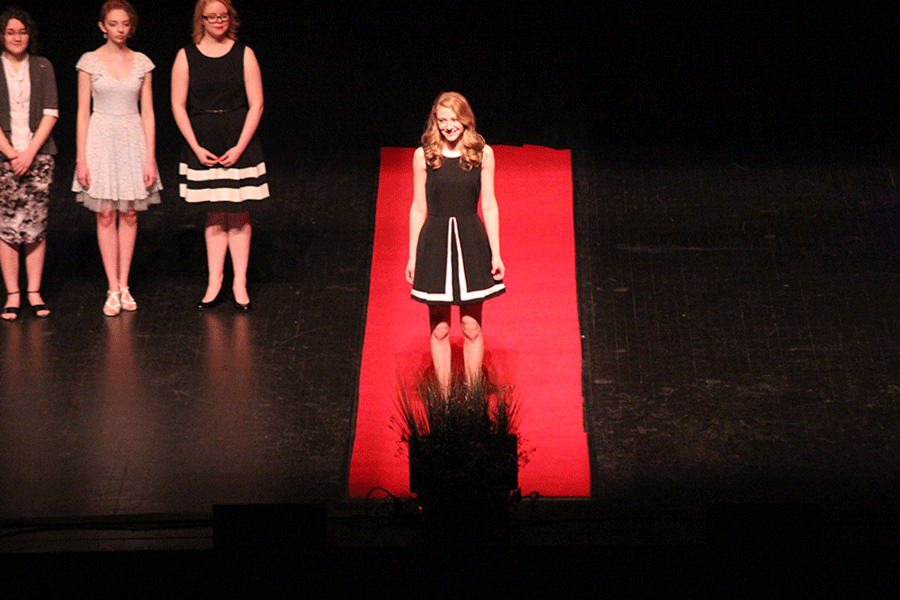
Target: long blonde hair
[233,21]
[433,141]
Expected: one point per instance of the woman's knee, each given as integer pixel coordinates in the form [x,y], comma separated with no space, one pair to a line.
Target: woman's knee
[440,331]
[106,219]
[129,218]
[471,328]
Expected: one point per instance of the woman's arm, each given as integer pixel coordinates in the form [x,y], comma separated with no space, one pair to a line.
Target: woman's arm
[84,116]
[418,211]
[491,212]
[180,79]
[253,85]
[6,148]
[148,118]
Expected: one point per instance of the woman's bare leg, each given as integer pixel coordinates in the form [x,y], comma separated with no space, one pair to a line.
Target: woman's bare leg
[439,317]
[473,341]
[239,233]
[108,240]
[127,235]
[34,269]
[9,262]
[216,235]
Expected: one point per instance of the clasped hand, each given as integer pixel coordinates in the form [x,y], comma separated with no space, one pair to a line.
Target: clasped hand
[21,162]
[208,159]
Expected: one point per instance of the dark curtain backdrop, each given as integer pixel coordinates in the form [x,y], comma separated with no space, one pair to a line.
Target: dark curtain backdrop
[626,77]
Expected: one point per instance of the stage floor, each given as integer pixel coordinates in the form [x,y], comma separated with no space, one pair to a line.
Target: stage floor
[168,410]
[741,336]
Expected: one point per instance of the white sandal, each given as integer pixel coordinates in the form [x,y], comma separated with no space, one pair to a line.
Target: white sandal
[128,302]
[112,306]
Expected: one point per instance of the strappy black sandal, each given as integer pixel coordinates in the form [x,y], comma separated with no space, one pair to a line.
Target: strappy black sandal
[36,309]
[10,310]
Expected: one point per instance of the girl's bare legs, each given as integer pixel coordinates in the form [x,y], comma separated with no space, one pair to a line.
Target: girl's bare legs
[116,234]
[473,341]
[9,262]
[127,234]
[216,235]
[439,317]
[108,240]
[34,269]
[239,233]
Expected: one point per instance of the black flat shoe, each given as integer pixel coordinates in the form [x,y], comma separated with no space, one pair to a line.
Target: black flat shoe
[10,310]
[242,307]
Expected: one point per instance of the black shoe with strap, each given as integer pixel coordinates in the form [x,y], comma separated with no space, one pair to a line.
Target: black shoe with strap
[40,310]
[10,313]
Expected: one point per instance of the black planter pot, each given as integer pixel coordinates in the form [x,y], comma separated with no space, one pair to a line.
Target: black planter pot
[441,466]
[463,487]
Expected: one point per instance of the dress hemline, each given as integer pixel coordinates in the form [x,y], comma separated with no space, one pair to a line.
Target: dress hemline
[457,302]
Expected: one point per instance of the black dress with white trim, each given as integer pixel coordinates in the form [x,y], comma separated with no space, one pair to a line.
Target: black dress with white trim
[453,255]
[217,108]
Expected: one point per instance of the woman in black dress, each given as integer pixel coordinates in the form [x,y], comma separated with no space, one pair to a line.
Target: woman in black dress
[28,112]
[454,258]
[217,101]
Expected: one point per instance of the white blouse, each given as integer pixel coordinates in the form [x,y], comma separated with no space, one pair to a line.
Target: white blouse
[19,85]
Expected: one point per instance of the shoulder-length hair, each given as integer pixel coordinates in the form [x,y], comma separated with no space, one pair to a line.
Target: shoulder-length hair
[433,141]
[233,21]
[14,12]
[111,5]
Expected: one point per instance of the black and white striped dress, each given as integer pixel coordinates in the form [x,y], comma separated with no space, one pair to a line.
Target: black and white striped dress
[453,254]
[217,107]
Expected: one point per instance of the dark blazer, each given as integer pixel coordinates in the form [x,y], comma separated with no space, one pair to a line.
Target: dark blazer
[43,95]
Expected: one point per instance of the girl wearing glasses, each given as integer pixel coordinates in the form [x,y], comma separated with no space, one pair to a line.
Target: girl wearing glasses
[115,172]
[217,101]
[28,112]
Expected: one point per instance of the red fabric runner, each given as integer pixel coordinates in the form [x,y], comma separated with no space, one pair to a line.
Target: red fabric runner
[531,333]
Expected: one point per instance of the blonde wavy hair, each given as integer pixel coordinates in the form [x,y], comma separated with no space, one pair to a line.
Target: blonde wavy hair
[433,141]
[233,20]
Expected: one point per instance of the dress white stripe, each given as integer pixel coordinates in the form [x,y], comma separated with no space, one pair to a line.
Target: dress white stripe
[247,192]
[464,293]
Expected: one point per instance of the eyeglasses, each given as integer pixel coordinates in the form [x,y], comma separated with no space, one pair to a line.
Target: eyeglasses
[215,18]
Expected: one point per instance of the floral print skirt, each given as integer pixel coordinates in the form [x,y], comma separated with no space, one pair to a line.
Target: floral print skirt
[24,200]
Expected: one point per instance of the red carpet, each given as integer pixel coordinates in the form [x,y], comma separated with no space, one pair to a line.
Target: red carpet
[531,333]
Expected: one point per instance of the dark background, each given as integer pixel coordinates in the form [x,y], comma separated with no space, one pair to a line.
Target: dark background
[738,319]
[624,78]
